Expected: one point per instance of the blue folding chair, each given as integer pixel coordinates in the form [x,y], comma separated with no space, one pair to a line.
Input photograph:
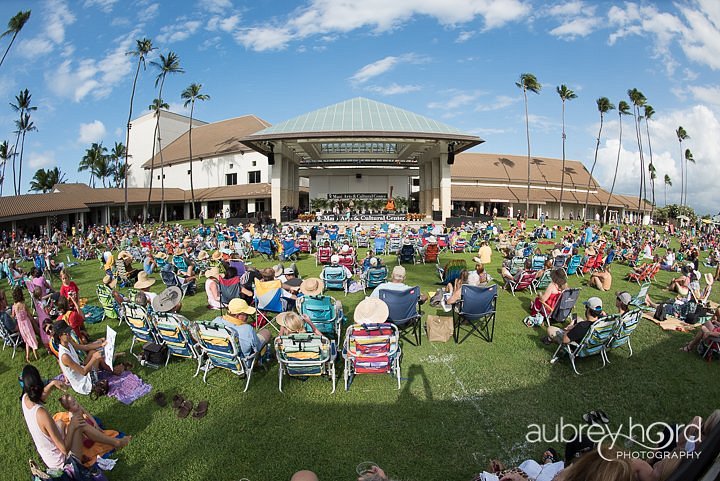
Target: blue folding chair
[574,264]
[404,311]
[373,277]
[324,315]
[477,306]
[290,250]
[380,245]
[335,278]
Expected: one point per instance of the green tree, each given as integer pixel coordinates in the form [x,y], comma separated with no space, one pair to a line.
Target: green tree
[681,134]
[638,101]
[6,152]
[23,106]
[119,174]
[143,47]
[604,106]
[190,95]
[668,183]
[169,64]
[44,180]
[649,113]
[94,156]
[623,109]
[23,126]
[15,24]
[156,107]
[565,95]
[118,152]
[528,83]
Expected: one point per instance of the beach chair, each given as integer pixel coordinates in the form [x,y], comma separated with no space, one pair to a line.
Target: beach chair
[592,264]
[347,260]
[443,243]
[222,350]
[573,266]
[373,277]
[451,271]
[538,262]
[517,264]
[323,313]
[172,331]
[107,302]
[264,248]
[625,326]
[380,245]
[170,278]
[559,262]
[362,241]
[476,307]
[563,307]
[180,263]
[139,322]
[121,274]
[335,278]
[592,343]
[406,254]
[323,255]
[431,254]
[395,244]
[404,311]
[304,244]
[543,282]
[371,349]
[459,246]
[639,300]
[290,250]
[10,339]
[641,276]
[268,301]
[525,281]
[305,355]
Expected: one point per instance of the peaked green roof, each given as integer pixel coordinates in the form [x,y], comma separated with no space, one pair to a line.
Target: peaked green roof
[358,115]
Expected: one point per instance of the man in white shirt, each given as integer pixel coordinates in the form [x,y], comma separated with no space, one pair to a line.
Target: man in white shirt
[397,283]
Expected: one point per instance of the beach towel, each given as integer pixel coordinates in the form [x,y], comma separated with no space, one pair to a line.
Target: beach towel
[127,387]
[93,314]
[671,323]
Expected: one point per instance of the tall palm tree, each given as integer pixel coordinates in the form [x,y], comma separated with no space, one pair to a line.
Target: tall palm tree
[6,152]
[165,65]
[119,174]
[668,182]
[118,152]
[190,95]
[649,113]
[22,106]
[623,109]
[143,48]
[44,180]
[156,106]
[15,24]
[638,100]
[688,158]
[103,168]
[528,82]
[93,156]
[681,135]
[565,95]
[604,106]
[23,126]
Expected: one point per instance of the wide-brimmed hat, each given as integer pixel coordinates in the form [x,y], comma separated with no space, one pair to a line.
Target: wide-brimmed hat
[161,255]
[110,282]
[709,279]
[278,269]
[202,255]
[432,239]
[312,286]
[167,299]
[212,272]
[371,310]
[124,255]
[240,306]
[178,251]
[290,321]
[143,281]
[406,242]
[216,256]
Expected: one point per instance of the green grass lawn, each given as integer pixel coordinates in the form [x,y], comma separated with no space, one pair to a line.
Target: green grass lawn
[458,407]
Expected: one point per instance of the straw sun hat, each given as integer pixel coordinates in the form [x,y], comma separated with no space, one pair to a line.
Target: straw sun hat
[312,286]
[371,310]
[143,281]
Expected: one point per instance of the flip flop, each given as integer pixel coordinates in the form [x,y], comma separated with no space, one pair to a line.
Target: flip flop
[201,409]
[602,416]
[160,399]
[546,340]
[177,401]
[590,418]
[184,409]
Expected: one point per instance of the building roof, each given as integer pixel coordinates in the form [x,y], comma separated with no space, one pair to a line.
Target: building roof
[246,191]
[136,195]
[34,205]
[517,195]
[210,140]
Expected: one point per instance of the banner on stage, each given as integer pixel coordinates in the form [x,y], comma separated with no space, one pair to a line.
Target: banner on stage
[362,218]
[358,196]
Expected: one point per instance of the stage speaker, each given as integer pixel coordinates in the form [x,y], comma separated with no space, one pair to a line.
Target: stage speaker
[271,155]
[451,153]
[358,176]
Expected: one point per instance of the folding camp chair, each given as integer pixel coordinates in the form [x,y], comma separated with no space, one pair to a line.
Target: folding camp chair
[268,301]
[173,332]
[180,263]
[459,246]
[335,278]
[641,276]
[222,350]
[290,250]
[380,245]
[543,282]
[573,266]
[304,244]
[431,253]
[517,264]
[592,343]
[323,255]
[476,306]
[563,307]
[559,262]
[395,244]
[121,274]
[323,313]
[538,262]
[105,298]
[406,254]
[639,300]
[11,339]
[371,349]
[373,277]
[404,311]
[304,355]
[525,281]
[139,322]
[264,248]
[625,326]
[170,278]
[362,241]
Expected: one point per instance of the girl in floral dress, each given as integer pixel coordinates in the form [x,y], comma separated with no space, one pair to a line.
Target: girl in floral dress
[24,322]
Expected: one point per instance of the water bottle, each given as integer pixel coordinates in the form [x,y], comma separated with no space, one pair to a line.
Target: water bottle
[690,444]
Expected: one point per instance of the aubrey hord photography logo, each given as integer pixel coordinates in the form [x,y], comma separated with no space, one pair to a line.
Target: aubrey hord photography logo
[629,440]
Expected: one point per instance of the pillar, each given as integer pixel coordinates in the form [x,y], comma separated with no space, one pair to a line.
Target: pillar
[421,192]
[445,187]
[296,184]
[276,187]
[436,175]
[187,211]
[204,209]
[482,208]
[427,188]
[225,209]
[510,211]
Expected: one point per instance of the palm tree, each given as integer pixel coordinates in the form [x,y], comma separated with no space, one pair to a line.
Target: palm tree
[190,95]
[604,106]
[623,109]
[93,156]
[688,158]
[103,168]
[143,47]
[22,106]
[44,180]
[565,94]
[638,100]
[119,174]
[528,82]
[14,26]
[649,112]
[681,135]
[156,106]
[23,126]
[5,153]
[118,152]
[668,182]
[166,65]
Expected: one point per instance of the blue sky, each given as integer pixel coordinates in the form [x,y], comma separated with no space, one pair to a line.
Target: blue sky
[453,60]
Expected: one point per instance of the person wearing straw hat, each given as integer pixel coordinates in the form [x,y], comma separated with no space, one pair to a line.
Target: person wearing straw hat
[202,255]
[169,300]
[212,287]
[236,320]
[127,259]
[371,311]
[143,284]
[293,323]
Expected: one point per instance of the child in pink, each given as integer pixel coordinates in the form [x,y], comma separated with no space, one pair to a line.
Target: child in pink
[24,322]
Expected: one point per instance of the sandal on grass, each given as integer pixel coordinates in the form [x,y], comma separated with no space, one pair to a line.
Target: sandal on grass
[177,401]
[601,416]
[201,409]
[160,399]
[685,348]
[546,340]
[184,409]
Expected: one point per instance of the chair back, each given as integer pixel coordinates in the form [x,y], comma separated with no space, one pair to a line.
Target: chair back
[239,266]
[106,300]
[229,289]
[265,247]
[597,337]
[559,262]
[478,301]
[138,320]
[639,300]
[175,335]
[321,311]
[303,354]
[380,244]
[564,305]
[362,240]
[268,295]
[403,306]
[324,254]
[538,262]
[376,276]
[347,261]
[544,280]
[431,252]
[290,247]
[517,264]
[371,347]
[220,346]
[574,264]
[180,263]
[169,278]
[453,269]
[407,253]
[525,281]
[626,325]
[334,277]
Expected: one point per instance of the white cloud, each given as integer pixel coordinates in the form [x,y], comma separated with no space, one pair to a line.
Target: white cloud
[92,132]
[706,93]
[501,102]
[226,24]
[323,17]
[39,160]
[178,32]
[104,5]
[56,16]
[701,40]
[215,6]
[464,36]
[457,99]
[571,8]
[383,65]
[150,12]
[578,19]
[393,89]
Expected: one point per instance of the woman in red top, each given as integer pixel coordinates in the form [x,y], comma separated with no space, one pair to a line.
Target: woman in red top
[68,286]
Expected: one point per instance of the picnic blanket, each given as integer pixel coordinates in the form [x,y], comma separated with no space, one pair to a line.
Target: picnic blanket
[127,387]
[671,323]
[93,314]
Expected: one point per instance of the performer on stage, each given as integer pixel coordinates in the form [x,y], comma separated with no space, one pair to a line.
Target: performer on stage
[390,206]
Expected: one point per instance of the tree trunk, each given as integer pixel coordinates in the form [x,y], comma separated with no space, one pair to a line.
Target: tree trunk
[163,214]
[617,165]
[15,149]
[192,187]
[592,169]
[152,175]
[8,48]
[20,163]
[562,173]
[682,176]
[127,139]
[652,180]
[527,135]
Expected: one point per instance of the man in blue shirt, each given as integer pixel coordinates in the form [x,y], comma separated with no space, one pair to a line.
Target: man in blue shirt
[236,320]
[588,234]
